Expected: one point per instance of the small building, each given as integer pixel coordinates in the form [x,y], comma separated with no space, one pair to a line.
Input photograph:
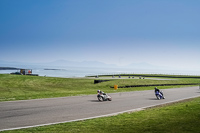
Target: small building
[26,71]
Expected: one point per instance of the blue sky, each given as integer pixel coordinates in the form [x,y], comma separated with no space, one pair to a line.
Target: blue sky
[121,32]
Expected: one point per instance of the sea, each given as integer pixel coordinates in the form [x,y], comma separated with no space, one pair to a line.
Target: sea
[73,72]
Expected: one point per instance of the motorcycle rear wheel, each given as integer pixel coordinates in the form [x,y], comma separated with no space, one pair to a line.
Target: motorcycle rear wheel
[100,99]
[158,97]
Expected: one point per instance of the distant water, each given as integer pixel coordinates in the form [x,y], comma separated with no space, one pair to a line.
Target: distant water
[50,71]
[70,71]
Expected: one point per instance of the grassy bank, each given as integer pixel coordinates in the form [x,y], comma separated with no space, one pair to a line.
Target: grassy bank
[151,75]
[21,87]
[182,117]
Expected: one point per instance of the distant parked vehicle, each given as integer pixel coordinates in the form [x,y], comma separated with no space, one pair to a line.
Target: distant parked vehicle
[17,73]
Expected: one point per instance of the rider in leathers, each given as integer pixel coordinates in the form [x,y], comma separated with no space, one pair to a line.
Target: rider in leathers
[101,92]
[156,89]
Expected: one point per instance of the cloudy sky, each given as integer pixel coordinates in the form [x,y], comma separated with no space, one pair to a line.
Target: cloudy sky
[121,32]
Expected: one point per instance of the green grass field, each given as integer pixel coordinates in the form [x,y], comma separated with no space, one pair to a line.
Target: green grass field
[21,87]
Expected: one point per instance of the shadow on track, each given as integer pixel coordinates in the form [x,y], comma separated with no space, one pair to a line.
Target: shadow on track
[93,100]
[152,98]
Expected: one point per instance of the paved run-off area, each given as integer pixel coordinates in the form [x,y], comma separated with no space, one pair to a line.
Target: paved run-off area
[30,113]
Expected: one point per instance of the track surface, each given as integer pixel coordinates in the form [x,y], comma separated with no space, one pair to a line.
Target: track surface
[22,114]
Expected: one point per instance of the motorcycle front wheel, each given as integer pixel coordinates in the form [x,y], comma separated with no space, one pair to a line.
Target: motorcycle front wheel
[109,99]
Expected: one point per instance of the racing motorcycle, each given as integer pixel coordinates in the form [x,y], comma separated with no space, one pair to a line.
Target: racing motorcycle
[103,97]
[159,95]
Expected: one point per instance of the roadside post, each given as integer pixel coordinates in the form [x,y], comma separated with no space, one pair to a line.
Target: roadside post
[115,87]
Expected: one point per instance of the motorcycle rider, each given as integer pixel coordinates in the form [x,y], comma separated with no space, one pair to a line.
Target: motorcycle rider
[101,92]
[156,89]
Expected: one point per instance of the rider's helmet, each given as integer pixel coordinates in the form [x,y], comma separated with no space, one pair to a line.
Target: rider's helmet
[98,91]
[155,87]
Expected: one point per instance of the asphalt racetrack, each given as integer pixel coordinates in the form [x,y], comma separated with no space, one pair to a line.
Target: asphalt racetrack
[39,112]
